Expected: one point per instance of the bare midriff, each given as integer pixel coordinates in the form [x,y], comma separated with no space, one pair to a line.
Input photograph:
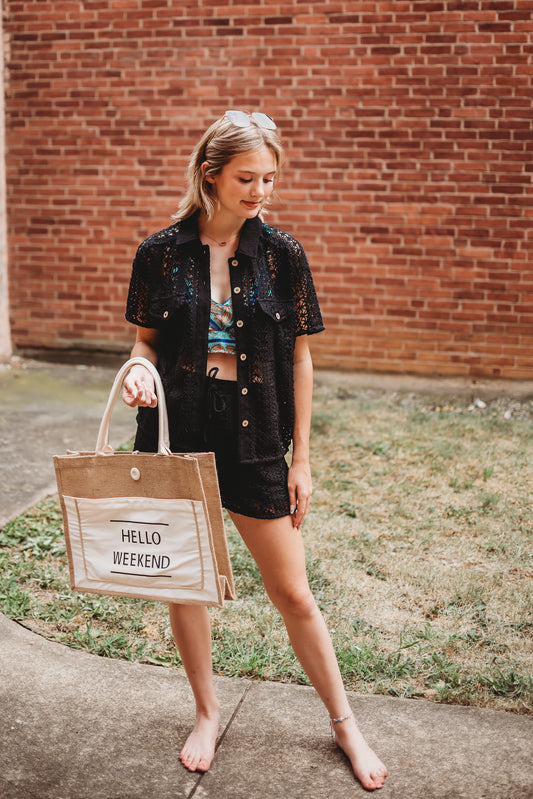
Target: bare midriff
[226,365]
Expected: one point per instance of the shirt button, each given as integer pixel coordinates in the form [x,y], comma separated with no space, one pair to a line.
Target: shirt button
[237,290]
[245,423]
[235,262]
[243,356]
[165,315]
[278,315]
[244,391]
[239,323]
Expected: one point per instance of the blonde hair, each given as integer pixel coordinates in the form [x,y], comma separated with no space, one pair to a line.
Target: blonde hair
[219,144]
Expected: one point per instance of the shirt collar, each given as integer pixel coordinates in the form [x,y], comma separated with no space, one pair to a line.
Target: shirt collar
[188,229]
[248,242]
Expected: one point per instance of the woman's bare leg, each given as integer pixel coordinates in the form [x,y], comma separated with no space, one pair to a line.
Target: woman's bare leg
[277,547]
[192,632]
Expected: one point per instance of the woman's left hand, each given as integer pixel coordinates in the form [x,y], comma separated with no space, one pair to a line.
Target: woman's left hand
[300,489]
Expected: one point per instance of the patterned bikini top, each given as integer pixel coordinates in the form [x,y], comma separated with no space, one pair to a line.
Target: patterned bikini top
[221,337]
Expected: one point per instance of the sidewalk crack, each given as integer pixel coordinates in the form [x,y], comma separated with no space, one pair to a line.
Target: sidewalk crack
[222,736]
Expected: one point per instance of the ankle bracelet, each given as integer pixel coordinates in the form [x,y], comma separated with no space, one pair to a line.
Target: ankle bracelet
[342,718]
[333,721]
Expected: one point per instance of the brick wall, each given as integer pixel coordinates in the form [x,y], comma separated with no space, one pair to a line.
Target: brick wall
[408,128]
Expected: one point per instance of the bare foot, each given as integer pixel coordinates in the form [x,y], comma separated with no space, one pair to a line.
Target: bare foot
[366,765]
[199,748]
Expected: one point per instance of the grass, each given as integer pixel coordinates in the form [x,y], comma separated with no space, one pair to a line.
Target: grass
[420,556]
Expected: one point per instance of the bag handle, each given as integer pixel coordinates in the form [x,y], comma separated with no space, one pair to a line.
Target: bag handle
[163,444]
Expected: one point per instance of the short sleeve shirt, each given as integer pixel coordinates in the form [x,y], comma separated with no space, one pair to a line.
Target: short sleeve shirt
[274,301]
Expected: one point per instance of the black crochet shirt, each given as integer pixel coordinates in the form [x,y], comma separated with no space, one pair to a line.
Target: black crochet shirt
[274,301]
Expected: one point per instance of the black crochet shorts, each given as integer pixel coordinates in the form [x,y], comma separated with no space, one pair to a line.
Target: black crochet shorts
[258,490]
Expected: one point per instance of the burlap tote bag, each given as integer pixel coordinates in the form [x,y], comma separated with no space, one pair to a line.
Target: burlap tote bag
[141,524]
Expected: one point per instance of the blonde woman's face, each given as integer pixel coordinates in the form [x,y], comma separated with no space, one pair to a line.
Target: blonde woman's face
[245,184]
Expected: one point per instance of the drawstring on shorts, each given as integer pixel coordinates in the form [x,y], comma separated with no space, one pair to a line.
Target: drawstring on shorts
[215,403]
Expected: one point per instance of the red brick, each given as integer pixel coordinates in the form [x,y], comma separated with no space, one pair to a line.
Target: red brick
[408,178]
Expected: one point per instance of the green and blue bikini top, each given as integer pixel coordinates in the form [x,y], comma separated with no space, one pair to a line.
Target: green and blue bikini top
[221,336]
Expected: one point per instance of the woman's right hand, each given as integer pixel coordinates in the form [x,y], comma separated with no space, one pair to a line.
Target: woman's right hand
[138,388]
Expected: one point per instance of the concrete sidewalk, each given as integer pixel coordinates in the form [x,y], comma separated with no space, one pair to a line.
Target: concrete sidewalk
[46,409]
[76,726]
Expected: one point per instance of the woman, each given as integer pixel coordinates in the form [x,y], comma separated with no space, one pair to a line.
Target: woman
[223,305]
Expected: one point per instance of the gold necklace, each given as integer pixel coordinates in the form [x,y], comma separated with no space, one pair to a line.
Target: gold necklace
[220,243]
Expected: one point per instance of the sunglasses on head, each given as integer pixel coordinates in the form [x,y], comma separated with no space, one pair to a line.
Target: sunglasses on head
[243,120]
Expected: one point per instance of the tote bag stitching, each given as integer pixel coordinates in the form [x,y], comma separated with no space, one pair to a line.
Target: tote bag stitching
[81,538]
[83,535]
[200,552]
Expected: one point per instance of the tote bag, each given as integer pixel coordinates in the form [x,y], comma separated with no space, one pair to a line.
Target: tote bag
[145,525]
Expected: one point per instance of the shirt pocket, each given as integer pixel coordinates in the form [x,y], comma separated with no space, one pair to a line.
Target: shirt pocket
[275,330]
[280,312]
[168,310]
